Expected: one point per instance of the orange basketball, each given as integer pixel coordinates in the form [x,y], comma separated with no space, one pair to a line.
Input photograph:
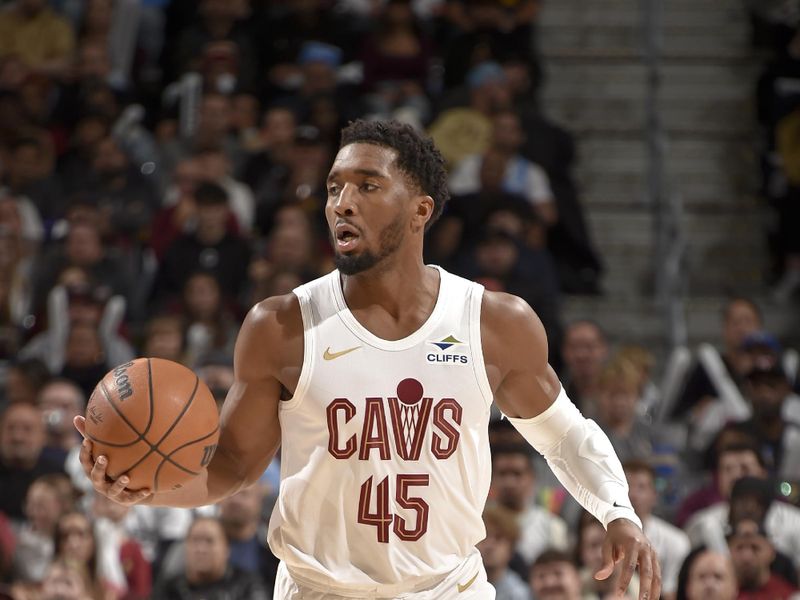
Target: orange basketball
[155,421]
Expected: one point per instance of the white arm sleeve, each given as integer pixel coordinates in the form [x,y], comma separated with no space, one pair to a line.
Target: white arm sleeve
[582,457]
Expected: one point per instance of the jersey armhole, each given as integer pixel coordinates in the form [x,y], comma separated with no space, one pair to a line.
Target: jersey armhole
[478,364]
[307,369]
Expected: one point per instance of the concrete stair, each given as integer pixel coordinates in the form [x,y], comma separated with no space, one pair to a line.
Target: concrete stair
[596,86]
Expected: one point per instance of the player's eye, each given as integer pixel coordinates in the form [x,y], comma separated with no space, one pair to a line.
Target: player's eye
[369,187]
[333,190]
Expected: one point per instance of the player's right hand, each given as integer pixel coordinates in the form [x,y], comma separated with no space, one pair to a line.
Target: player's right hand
[95,469]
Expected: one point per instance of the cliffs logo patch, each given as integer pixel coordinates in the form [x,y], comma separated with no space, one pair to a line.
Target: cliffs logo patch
[448,352]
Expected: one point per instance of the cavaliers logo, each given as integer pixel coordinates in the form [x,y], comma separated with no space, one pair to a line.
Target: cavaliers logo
[411,414]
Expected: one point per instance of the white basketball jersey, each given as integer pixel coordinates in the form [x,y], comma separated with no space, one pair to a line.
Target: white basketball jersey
[385,464]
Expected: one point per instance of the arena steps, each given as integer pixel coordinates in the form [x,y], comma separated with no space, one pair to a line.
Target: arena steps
[596,86]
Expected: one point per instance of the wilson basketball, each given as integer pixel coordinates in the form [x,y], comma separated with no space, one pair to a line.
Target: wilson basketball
[155,421]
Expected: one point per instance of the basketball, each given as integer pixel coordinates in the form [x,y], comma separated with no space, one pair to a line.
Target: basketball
[155,421]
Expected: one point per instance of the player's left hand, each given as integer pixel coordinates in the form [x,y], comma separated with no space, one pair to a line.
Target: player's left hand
[628,544]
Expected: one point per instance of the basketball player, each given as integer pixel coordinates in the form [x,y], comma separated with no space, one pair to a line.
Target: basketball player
[376,381]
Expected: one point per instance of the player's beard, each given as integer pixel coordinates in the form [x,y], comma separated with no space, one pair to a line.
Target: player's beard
[391,237]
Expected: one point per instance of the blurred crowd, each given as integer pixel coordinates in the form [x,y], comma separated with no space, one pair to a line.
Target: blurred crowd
[162,169]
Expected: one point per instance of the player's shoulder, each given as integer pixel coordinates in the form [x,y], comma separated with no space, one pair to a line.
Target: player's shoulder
[510,325]
[275,313]
[503,310]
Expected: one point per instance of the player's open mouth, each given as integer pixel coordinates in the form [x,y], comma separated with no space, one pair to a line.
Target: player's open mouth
[347,237]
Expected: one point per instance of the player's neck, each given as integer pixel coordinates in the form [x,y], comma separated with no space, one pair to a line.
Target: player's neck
[400,288]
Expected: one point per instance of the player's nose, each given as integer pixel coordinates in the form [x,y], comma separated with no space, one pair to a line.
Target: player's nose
[345,204]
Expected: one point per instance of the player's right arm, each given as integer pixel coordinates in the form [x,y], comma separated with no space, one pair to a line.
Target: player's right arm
[268,355]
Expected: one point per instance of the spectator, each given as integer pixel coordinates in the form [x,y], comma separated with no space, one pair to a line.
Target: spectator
[466,216]
[218,20]
[178,214]
[22,439]
[514,487]
[776,430]
[24,379]
[81,341]
[41,38]
[118,547]
[712,395]
[551,147]
[520,176]
[60,401]
[67,580]
[752,553]
[164,338]
[157,529]
[707,575]
[125,198]
[585,351]
[215,166]
[497,549]
[240,516]
[670,543]
[209,325]
[462,131]
[708,494]
[553,576]
[89,130]
[396,59]
[83,248]
[75,539]
[211,248]
[207,572]
[29,174]
[35,548]
[267,166]
[488,32]
[318,63]
[781,520]
[616,409]
[502,262]
[213,130]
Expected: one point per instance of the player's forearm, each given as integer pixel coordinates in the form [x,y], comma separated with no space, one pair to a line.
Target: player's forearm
[582,457]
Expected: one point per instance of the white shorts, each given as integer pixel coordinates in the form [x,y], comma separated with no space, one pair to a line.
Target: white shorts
[467,582]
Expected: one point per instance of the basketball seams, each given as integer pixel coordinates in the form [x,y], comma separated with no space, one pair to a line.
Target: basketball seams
[119,412]
[146,459]
[168,457]
[171,427]
[141,438]
[150,394]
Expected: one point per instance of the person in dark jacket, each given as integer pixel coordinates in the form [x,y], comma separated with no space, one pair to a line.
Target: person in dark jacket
[207,575]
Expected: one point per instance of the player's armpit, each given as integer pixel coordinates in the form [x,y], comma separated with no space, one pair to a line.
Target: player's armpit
[515,353]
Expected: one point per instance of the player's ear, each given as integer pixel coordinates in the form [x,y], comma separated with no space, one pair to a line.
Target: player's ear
[423,211]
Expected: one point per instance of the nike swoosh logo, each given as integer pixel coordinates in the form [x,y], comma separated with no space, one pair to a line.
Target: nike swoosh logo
[618,505]
[328,355]
[463,588]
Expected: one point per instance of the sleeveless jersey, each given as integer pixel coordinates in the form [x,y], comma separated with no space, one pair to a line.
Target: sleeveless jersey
[385,463]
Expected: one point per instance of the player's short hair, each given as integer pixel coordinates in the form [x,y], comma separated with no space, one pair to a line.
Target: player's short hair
[503,520]
[417,156]
[552,556]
